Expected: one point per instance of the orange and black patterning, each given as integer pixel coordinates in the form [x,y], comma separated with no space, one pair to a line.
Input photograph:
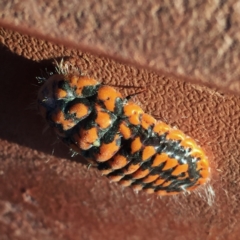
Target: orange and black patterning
[127,145]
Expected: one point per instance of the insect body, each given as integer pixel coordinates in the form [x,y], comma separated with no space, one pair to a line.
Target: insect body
[127,145]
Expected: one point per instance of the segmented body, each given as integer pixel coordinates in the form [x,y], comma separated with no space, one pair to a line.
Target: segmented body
[127,145]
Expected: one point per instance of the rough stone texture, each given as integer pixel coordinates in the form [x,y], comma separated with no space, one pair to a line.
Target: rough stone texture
[196,40]
[46,194]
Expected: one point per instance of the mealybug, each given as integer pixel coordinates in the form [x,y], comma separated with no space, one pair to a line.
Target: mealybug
[127,145]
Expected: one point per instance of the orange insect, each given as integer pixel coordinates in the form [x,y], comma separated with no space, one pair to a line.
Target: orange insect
[127,145]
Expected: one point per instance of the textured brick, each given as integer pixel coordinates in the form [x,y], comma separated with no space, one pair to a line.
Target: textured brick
[194,40]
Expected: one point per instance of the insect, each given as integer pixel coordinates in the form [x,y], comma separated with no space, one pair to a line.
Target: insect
[127,145]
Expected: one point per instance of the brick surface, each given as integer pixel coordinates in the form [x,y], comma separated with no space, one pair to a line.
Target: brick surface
[46,194]
[194,40]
